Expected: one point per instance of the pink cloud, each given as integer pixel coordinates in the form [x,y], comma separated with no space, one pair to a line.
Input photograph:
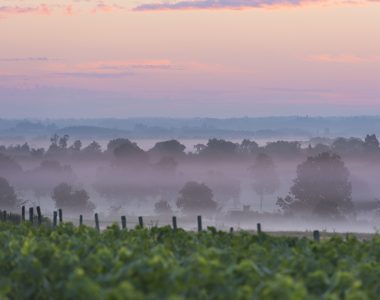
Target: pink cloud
[343,58]
[111,68]
[42,9]
[105,8]
[237,4]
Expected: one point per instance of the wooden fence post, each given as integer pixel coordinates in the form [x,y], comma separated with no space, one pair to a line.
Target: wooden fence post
[23,213]
[141,222]
[60,216]
[31,214]
[259,228]
[55,219]
[97,222]
[316,235]
[39,216]
[231,230]
[174,223]
[80,220]
[199,219]
[123,222]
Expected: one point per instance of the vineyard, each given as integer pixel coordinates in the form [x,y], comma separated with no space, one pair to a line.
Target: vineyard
[69,262]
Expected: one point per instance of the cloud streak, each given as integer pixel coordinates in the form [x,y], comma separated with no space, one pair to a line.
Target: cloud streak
[236,4]
[20,10]
[68,9]
[24,59]
[344,58]
[221,4]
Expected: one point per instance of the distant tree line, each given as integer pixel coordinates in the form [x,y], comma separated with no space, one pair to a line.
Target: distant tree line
[215,149]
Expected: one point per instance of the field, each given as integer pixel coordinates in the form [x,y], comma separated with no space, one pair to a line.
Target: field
[68,262]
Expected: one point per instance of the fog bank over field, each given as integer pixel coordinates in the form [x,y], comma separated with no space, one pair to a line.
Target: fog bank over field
[285,184]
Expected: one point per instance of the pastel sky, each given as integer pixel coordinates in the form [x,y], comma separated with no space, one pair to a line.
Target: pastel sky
[218,58]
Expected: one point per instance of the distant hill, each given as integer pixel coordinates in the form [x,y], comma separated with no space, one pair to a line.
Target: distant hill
[161,128]
[92,132]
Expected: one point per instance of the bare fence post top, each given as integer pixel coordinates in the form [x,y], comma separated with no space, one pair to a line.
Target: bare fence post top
[199,219]
[259,228]
[55,218]
[31,214]
[316,235]
[141,222]
[123,222]
[39,216]
[97,222]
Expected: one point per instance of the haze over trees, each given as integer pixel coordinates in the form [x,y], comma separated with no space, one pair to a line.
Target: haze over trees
[155,179]
[196,198]
[322,188]
[71,200]
[265,179]
[8,198]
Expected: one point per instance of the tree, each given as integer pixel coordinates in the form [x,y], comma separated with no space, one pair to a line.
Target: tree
[248,147]
[265,180]
[171,148]
[113,144]
[196,198]
[371,141]
[321,188]
[371,144]
[93,149]
[129,153]
[8,198]
[162,207]
[219,148]
[348,147]
[76,146]
[70,200]
[199,148]
[63,142]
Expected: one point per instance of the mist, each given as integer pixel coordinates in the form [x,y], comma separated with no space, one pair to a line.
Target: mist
[230,183]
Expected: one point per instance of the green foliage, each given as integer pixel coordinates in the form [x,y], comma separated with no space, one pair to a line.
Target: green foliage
[68,262]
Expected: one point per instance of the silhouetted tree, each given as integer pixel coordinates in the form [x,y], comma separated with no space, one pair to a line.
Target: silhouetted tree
[199,148]
[171,148]
[129,153]
[76,146]
[162,207]
[37,153]
[219,149]
[265,179]
[248,147]
[322,188]
[113,144]
[371,141]
[70,200]
[62,143]
[352,147]
[371,144]
[8,198]
[54,147]
[196,198]
[93,149]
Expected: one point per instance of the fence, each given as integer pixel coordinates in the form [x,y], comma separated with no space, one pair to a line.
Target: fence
[58,216]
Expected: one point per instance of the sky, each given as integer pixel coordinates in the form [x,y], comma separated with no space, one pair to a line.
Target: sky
[183,58]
